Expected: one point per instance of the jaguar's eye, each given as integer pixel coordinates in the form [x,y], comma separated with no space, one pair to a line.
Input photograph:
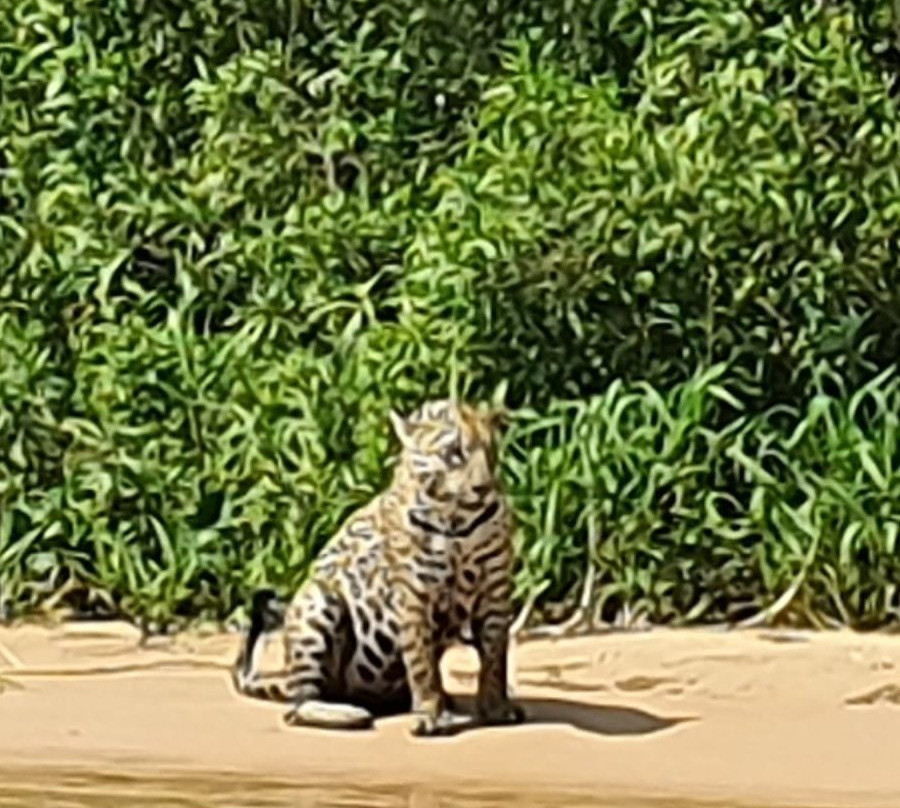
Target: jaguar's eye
[453,455]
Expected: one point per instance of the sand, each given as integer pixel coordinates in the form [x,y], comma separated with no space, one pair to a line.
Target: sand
[664,718]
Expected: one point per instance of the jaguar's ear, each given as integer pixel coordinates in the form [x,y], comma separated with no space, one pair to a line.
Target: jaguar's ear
[403,430]
[497,418]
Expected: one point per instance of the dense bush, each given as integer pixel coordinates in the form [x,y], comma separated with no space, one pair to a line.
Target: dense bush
[233,234]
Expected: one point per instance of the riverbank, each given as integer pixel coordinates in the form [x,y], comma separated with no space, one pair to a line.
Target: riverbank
[692,717]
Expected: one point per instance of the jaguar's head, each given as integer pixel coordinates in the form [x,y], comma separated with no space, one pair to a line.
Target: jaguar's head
[450,449]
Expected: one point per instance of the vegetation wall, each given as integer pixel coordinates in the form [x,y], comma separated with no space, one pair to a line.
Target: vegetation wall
[233,234]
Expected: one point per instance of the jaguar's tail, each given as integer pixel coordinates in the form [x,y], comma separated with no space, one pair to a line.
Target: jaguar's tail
[267,613]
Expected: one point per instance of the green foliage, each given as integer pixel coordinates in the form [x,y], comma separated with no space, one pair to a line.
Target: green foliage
[697,520]
[233,234]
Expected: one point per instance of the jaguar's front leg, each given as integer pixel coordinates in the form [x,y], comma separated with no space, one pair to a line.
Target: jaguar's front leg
[491,634]
[421,658]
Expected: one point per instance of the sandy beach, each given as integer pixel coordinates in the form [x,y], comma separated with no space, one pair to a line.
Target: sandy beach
[687,717]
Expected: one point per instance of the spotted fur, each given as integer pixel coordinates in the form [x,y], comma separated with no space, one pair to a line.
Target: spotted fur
[426,564]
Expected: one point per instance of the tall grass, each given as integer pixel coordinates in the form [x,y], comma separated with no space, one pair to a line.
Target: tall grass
[687,508]
[233,234]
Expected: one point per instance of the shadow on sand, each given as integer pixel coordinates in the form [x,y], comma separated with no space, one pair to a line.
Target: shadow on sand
[598,719]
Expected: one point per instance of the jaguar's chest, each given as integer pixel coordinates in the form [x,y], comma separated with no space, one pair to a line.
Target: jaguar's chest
[442,557]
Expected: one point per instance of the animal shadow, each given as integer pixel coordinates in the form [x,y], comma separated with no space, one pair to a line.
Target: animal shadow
[887,694]
[608,720]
